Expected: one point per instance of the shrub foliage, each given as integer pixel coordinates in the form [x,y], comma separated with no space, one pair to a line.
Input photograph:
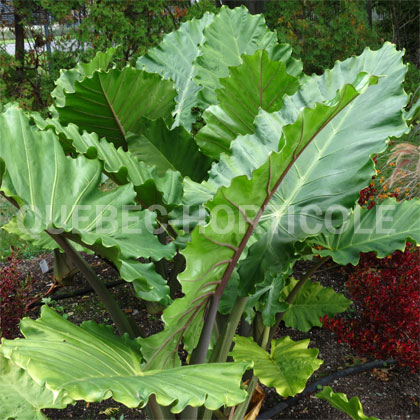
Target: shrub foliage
[387,292]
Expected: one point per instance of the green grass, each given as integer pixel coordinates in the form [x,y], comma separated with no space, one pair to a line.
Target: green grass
[26,250]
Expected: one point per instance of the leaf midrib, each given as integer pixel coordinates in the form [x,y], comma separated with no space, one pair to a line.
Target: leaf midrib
[30,177]
[117,120]
[157,151]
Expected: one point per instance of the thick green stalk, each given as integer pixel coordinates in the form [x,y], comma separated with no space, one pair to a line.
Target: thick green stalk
[224,342]
[157,412]
[223,345]
[190,413]
[207,415]
[258,327]
[266,335]
[242,408]
[200,352]
[117,315]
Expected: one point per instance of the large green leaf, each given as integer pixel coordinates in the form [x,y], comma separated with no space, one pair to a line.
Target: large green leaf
[311,303]
[339,401]
[113,103]
[128,107]
[173,150]
[91,363]
[68,78]
[323,159]
[39,172]
[313,125]
[58,192]
[120,165]
[286,368]
[250,151]
[335,166]
[382,229]
[23,399]
[232,33]
[173,59]
[215,249]
[257,83]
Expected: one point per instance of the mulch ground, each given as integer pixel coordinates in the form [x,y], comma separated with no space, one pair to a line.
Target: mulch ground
[388,393]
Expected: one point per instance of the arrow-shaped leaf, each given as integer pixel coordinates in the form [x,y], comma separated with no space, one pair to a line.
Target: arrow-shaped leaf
[58,192]
[325,183]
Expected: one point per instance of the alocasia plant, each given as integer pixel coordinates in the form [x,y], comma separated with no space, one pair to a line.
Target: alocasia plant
[274,170]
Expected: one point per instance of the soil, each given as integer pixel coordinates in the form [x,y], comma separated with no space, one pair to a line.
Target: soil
[390,393]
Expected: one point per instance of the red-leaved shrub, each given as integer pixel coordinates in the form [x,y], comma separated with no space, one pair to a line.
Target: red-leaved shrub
[387,292]
[14,296]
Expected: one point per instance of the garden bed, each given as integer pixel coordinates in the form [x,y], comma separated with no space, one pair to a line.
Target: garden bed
[387,393]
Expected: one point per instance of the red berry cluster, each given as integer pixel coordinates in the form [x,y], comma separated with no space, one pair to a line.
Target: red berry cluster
[14,296]
[388,293]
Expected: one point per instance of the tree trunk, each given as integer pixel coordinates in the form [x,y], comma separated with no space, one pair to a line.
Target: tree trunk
[20,39]
[369,12]
[395,26]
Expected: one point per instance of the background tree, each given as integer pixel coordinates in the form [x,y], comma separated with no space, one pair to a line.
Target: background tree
[84,27]
[399,22]
[322,32]
[135,25]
